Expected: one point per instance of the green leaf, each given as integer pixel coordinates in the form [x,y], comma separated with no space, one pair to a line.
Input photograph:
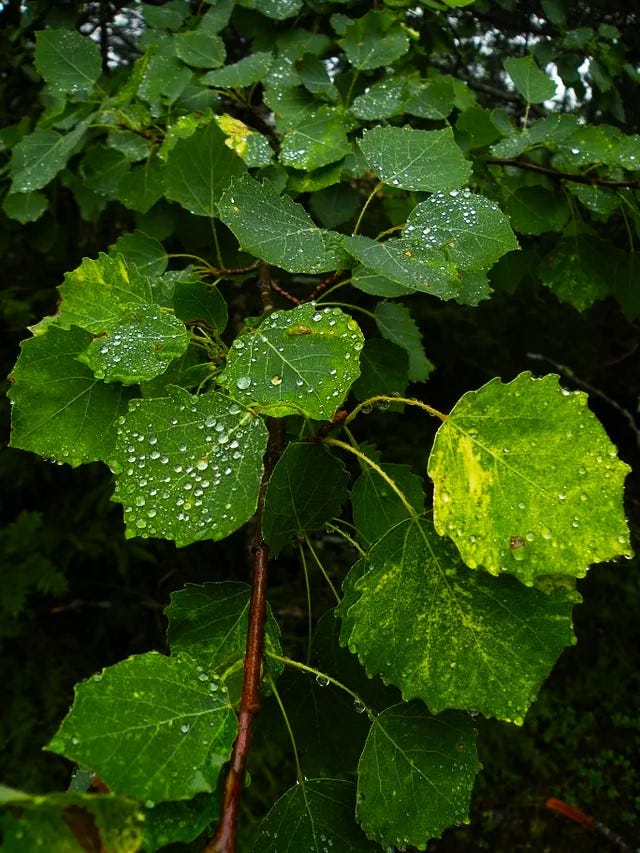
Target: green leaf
[397,325]
[25,207]
[307,488]
[246,72]
[142,186]
[433,99]
[378,285]
[384,99]
[60,410]
[188,467]
[68,61]
[321,140]
[141,250]
[63,822]
[276,229]
[409,263]
[279,10]
[471,230]
[200,48]
[199,169]
[195,301]
[150,728]
[95,295]
[451,636]
[318,814]
[374,40]
[142,345]
[578,270]
[209,622]
[527,481]
[532,83]
[301,361]
[376,507]
[103,169]
[534,210]
[384,369]
[416,775]
[179,820]
[168,16]
[38,157]
[415,159]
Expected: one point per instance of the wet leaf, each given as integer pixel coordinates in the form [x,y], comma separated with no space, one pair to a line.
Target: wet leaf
[448,635]
[415,775]
[150,728]
[527,481]
[301,361]
[68,61]
[307,488]
[321,140]
[52,394]
[188,468]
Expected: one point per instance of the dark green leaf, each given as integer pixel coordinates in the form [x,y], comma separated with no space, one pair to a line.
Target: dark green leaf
[416,775]
[39,157]
[275,229]
[578,270]
[397,325]
[532,83]
[243,73]
[181,820]
[53,394]
[384,369]
[318,814]
[195,301]
[188,467]
[277,9]
[25,207]
[534,210]
[307,488]
[200,168]
[321,140]
[374,40]
[200,48]
[143,185]
[376,507]
[150,728]
[68,61]
[143,251]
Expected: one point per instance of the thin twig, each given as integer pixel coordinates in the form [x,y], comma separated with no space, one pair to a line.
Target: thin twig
[590,180]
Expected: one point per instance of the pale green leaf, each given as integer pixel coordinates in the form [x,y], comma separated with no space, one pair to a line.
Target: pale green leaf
[376,507]
[448,635]
[276,229]
[68,61]
[140,346]
[415,775]
[94,295]
[60,410]
[188,468]
[415,159]
[58,821]
[38,157]
[527,481]
[471,230]
[397,325]
[316,815]
[200,168]
[374,40]
[150,728]
[532,83]
[247,71]
[25,207]
[301,361]
[321,140]
[306,489]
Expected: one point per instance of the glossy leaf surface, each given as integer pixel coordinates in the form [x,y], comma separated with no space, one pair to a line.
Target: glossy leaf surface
[298,361]
[527,481]
[150,727]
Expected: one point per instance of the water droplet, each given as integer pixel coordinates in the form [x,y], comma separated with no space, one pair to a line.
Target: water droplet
[243,382]
[322,680]
[202,464]
[359,706]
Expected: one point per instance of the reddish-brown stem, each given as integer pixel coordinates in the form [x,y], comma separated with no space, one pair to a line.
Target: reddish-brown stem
[591,180]
[224,840]
[324,284]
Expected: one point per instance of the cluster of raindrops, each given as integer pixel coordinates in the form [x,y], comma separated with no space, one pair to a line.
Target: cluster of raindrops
[189,470]
[306,358]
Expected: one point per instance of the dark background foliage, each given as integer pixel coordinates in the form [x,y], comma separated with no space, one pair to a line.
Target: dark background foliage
[74,596]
